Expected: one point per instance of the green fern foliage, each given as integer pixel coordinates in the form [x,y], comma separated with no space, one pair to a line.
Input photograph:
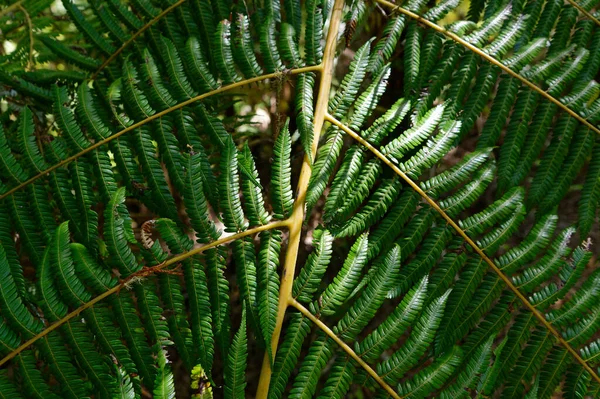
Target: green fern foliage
[372,199]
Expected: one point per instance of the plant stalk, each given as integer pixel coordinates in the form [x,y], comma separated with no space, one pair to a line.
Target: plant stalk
[345,347]
[297,217]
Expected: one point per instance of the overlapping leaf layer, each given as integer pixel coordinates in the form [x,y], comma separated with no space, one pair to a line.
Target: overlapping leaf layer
[149,244]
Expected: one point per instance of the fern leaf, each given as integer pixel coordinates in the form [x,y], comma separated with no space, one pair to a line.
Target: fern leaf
[251,189]
[10,167]
[549,265]
[155,87]
[413,54]
[420,338]
[319,353]
[268,46]
[86,28]
[164,385]
[304,111]
[172,60]
[431,249]
[528,364]
[66,120]
[378,204]
[395,325]
[195,202]
[313,32]
[433,151]
[538,237]
[590,194]
[229,188]
[578,152]
[235,367]
[383,279]
[245,263]
[465,196]
[115,235]
[288,48]
[432,377]
[218,288]
[222,52]
[196,66]
[243,51]
[71,288]
[309,278]
[288,354]
[267,292]
[14,308]
[281,175]
[32,158]
[390,226]
[54,351]
[346,94]
[347,278]
[387,44]
[414,136]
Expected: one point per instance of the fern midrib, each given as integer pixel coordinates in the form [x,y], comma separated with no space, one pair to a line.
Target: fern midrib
[536,313]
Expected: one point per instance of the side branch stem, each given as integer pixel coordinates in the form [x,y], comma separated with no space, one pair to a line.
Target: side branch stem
[345,347]
[157,116]
[473,245]
[490,59]
[297,217]
[147,271]
[584,11]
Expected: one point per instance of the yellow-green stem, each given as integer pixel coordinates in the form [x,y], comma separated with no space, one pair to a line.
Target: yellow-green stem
[297,217]
[469,241]
[584,12]
[345,347]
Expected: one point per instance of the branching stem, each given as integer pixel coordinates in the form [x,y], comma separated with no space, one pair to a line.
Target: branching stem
[147,271]
[469,241]
[156,116]
[490,59]
[345,347]
[297,217]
